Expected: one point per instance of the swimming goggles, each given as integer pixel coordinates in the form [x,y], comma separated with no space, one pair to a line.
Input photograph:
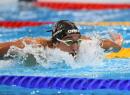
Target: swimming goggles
[70,42]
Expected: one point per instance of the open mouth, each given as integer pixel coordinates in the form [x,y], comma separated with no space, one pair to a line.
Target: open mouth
[74,54]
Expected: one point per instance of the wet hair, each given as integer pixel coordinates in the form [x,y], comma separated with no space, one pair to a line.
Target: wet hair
[63,28]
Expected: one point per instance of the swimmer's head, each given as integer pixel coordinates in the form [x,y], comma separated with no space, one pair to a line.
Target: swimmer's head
[66,36]
[63,28]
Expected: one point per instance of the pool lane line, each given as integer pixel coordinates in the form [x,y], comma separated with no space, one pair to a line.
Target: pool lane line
[19,24]
[65,83]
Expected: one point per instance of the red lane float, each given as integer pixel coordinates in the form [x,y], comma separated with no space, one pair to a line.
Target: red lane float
[18,24]
[78,6]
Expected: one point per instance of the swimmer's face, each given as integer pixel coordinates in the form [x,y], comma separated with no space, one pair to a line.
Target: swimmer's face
[69,43]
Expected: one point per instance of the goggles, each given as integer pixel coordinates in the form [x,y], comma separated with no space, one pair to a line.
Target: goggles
[70,42]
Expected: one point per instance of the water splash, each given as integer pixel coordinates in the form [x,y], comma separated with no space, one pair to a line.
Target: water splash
[90,54]
[33,54]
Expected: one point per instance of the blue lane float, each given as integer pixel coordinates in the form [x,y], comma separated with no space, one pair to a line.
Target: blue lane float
[65,83]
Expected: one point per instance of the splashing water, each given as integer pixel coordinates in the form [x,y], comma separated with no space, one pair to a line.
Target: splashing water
[90,54]
[32,54]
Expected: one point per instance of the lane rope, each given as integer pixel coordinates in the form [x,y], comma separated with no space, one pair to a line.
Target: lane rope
[65,83]
[19,24]
[80,5]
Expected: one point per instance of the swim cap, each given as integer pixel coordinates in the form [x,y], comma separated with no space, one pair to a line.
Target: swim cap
[63,28]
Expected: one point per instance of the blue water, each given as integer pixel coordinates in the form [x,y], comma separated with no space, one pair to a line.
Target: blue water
[114,68]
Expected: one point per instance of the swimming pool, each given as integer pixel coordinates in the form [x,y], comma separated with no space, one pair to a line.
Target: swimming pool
[98,68]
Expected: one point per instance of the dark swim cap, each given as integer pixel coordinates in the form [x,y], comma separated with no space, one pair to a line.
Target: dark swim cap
[63,28]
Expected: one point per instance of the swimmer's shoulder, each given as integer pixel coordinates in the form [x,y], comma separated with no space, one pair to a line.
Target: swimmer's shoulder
[44,41]
[41,40]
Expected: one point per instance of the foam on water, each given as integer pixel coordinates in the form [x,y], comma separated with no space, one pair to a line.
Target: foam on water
[90,54]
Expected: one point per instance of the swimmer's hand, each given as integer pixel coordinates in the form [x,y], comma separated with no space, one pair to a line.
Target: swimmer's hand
[116,37]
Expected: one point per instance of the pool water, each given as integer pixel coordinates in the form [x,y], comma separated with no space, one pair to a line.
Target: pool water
[92,66]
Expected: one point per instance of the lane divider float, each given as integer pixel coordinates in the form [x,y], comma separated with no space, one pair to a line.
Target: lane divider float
[65,83]
[18,24]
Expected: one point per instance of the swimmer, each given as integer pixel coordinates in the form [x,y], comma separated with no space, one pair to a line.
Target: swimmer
[65,36]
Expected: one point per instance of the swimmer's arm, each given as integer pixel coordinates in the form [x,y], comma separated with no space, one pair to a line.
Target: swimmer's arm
[4,47]
[107,44]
